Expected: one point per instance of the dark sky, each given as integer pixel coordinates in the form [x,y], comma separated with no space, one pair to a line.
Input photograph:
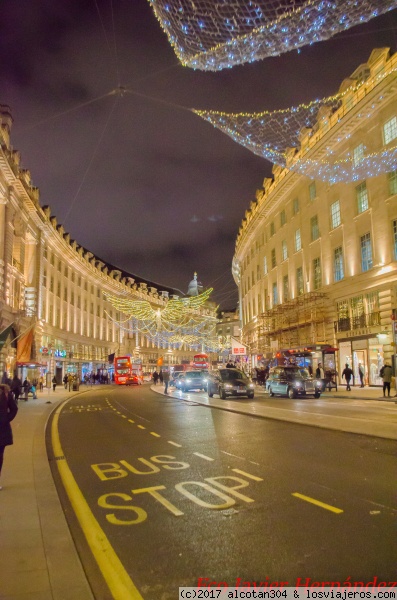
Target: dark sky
[137,179]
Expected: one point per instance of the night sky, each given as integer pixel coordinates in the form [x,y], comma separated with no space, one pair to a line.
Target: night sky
[137,178]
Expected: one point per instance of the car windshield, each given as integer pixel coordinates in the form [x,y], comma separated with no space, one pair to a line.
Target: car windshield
[230,374]
[194,374]
[290,373]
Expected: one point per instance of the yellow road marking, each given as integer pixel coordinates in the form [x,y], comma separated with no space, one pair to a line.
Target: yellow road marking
[141,427]
[112,569]
[318,503]
[175,444]
[155,434]
[254,477]
[203,456]
[131,421]
[124,417]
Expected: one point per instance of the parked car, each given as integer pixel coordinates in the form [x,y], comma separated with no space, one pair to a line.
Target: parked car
[192,380]
[229,382]
[292,382]
[175,377]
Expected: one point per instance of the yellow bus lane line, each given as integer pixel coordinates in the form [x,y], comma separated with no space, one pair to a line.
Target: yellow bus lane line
[119,582]
[318,503]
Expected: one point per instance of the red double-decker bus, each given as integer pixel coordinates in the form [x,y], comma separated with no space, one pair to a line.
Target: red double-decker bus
[126,372]
[200,361]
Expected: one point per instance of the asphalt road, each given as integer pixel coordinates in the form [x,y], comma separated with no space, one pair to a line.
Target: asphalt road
[182,491]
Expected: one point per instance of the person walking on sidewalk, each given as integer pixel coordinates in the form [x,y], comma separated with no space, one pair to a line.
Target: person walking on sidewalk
[16,387]
[54,383]
[347,374]
[8,410]
[386,374]
[361,374]
[166,379]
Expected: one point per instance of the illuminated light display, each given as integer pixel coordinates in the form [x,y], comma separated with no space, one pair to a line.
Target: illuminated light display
[277,135]
[211,36]
[179,323]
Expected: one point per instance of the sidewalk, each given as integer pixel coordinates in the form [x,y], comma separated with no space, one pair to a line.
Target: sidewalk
[38,557]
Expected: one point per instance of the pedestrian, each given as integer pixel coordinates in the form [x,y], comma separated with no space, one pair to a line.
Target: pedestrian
[161,377]
[8,410]
[41,383]
[16,387]
[155,377]
[54,383]
[166,379]
[320,375]
[65,380]
[347,374]
[310,369]
[386,374]
[361,373]
[26,388]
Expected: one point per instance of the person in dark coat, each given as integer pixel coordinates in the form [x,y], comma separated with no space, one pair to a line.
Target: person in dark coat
[8,410]
[26,388]
[347,374]
[161,377]
[155,377]
[16,387]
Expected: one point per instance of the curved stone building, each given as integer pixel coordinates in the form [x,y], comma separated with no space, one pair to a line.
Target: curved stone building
[54,317]
[315,261]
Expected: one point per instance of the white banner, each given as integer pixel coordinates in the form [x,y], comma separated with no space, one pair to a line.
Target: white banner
[238,349]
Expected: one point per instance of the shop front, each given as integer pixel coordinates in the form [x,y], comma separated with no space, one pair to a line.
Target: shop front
[365,352]
[309,357]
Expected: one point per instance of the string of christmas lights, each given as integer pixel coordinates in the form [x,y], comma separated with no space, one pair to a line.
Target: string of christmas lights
[211,36]
[277,135]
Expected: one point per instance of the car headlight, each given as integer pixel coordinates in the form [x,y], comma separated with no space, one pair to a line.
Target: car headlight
[319,383]
[228,386]
[297,383]
[205,380]
[188,380]
[251,385]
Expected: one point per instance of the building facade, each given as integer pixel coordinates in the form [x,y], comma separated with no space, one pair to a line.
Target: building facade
[315,261]
[54,316]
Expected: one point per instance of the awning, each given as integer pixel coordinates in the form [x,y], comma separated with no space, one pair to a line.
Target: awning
[31,364]
[8,332]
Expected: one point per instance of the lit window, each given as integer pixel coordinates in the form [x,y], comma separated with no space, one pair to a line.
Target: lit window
[317,273]
[283,218]
[338,264]
[314,228]
[312,191]
[299,281]
[275,294]
[392,183]
[295,206]
[358,153]
[362,197]
[265,265]
[298,241]
[335,214]
[258,275]
[284,250]
[272,229]
[273,258]
[285,288]
[390,130]
[366,252]
[395,239]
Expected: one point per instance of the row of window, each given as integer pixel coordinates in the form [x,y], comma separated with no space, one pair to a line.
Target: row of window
[338,269]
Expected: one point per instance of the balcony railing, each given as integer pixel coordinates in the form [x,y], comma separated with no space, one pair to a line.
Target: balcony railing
[358,322]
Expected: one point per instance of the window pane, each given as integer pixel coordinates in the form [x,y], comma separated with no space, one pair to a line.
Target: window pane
[366,252]
[338,264]
[285,288]
[273,258]
[335,214]
[390,130]
[299,281]
[298,242]
[392,183]
[312,190]
[362,197]
[295,207]
[284,250]
[275,295]
[316,273]
[314,228]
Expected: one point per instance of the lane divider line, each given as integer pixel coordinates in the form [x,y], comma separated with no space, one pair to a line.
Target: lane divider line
[131,421]
[318,503]
[141,427]
[203,456]
[254,477]
[174,444]
[155,434]
[112,569]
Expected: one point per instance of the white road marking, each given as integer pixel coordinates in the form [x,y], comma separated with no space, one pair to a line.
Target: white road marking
[202,456]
